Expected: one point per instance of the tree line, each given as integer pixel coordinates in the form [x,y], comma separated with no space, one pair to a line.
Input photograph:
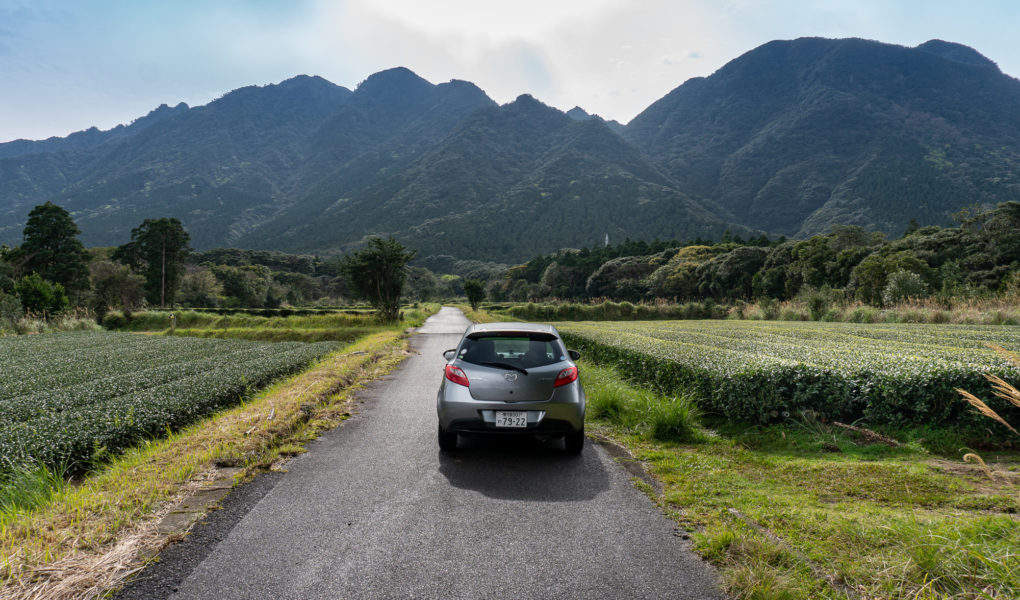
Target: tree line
[979,257]
[52,272]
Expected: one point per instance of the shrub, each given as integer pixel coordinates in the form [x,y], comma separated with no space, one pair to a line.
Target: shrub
[115,320]
[817,305]
[864,314]
[792,313]
[903,285]
[10,308]
[770,308]
[40,296]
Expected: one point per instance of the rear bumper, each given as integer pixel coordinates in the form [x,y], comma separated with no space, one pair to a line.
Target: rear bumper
[545,427]
[459,412]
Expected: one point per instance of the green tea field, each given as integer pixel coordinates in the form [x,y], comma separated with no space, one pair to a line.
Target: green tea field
[896,374]
[66,398]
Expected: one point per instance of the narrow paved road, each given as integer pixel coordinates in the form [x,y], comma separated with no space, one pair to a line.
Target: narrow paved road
[374,510]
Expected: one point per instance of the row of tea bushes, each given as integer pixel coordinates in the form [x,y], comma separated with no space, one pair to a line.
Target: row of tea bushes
[759,370]
[65,398]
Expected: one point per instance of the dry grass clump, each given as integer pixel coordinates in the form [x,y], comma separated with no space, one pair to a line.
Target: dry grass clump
[91,574]
[1000,389]
[78,319]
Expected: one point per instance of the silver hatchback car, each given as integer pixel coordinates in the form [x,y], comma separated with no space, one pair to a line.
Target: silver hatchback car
[511,378]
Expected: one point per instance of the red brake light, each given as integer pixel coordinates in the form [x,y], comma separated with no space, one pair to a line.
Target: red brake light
[566,376]
[456,375]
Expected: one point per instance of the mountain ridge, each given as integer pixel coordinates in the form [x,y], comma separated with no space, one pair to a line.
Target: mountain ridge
[789,139]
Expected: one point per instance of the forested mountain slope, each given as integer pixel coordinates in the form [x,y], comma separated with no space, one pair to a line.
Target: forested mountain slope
[507,183]
[796,136]
[220,168]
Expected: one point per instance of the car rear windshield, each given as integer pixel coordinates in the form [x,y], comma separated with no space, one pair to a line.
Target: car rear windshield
[525,350]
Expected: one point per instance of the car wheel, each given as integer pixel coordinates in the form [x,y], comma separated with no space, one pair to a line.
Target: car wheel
[447,440]
[574,442]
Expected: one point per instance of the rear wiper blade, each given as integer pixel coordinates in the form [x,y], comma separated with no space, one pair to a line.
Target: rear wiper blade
[503,365]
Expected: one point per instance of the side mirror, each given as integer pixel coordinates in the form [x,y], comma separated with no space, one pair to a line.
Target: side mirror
[450,354]
[574,354]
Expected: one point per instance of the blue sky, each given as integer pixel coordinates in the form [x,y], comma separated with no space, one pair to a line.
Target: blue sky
[66,65]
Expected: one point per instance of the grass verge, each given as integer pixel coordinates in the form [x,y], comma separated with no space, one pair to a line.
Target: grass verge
[270,334]
[83,538]
[480,315]
[803,509]
[411,316]
[327,327]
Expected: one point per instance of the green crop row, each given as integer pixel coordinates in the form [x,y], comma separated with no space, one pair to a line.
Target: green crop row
[191,319]
[897,374]
[64,398]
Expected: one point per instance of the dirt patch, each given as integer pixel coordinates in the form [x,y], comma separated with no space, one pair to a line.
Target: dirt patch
[992,478]
[627,460]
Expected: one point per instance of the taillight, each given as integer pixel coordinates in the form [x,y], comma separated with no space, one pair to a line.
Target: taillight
[566,376]
[456,375]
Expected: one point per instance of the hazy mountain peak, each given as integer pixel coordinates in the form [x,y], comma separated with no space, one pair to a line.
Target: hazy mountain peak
[527,108]
[295,85]
[956,52]
[462,83]
[579,114]
[464,91]
[528,102]
[163,110]
[307,81]
[302,78]
[398,80]
[461,86]
[90,137]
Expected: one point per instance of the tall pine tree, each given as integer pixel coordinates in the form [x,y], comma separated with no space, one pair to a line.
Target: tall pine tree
[377,274]
[51,249]
[157,248]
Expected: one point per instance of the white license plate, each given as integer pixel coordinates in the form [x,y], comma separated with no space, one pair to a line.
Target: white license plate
[511,418]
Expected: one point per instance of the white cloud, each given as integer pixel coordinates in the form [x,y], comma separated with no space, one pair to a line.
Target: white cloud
[492,22]
[72,65]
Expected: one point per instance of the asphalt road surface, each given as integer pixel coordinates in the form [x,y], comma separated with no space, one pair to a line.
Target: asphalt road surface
[374,510]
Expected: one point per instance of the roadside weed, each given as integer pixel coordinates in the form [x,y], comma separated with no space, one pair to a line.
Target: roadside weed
[24,487]
[673,418]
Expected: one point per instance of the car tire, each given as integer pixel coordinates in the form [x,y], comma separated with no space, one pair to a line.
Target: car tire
[447,440]
[574,442]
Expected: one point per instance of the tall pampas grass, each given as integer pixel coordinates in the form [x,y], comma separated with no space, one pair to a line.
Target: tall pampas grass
[1001,389]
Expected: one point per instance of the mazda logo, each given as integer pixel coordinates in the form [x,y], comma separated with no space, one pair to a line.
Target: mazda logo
[510,377]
